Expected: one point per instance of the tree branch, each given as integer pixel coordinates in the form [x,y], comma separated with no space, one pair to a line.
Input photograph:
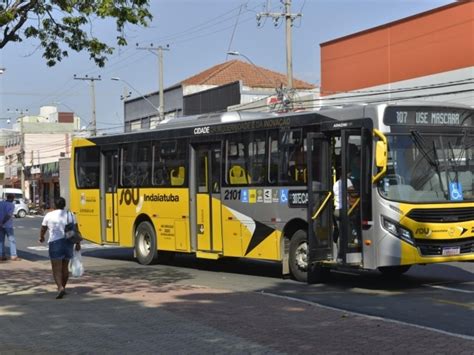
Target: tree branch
[19,13]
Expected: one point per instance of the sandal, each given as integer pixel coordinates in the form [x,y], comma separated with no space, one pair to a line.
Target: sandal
[15,258]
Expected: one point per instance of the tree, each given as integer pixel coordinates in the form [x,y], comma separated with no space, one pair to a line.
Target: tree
[60,25]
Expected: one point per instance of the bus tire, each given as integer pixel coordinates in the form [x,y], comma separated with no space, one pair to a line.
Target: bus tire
[146,248]
[394,271]
[298,257]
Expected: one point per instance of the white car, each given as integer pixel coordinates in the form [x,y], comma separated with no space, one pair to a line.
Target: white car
[21,208]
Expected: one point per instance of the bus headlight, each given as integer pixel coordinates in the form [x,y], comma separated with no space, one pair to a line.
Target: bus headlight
[397,230]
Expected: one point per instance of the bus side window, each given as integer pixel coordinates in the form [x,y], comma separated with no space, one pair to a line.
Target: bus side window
[87,167]
[160,176]
[144,164]
[293,157]
[169,164]
[235,162]
[273,157]
[129,175]
[256,158]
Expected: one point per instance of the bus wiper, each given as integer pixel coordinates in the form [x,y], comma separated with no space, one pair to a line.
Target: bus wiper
[421,145]
[454,161]
[438,172]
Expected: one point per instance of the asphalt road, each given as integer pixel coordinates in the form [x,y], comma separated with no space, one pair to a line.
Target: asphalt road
[439,297]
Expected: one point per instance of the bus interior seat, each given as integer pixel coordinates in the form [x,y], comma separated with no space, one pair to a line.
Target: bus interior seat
[300,174]
[297,173]
[177,176]
[238,176]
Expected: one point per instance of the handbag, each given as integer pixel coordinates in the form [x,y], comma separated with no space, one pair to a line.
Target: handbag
[71,233]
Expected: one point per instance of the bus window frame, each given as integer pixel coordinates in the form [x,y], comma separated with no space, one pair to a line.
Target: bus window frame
[77,152]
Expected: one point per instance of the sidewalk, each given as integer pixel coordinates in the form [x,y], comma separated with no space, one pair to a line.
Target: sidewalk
[105,312]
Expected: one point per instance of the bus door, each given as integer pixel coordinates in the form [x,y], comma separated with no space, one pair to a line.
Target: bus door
[337,237]
[320,216]
[109,196]
[207,211]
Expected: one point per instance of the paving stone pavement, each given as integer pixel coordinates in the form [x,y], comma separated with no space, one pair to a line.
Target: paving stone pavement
[107,313]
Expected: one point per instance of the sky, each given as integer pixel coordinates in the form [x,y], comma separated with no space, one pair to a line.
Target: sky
[199,34]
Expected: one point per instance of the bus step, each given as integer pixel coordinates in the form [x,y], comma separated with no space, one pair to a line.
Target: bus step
[207,255]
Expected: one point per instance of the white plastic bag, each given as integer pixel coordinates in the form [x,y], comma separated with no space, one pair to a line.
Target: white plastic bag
[75,265]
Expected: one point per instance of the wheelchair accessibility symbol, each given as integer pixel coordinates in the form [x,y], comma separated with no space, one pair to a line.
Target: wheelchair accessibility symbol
[284,196]
[455,191]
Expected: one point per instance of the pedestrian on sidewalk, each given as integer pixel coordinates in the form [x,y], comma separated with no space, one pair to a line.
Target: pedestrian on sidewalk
[60,249]
[6,228]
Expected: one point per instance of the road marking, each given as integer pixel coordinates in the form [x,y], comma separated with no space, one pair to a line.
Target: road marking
[449,288]
[83,246]
[316,304]
[39,248]
[469,306]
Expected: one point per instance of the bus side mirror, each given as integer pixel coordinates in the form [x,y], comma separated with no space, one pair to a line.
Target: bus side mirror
[381,150]
[381,154]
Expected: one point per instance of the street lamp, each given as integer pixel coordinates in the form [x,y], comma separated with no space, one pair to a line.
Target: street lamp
[281,93]
[139,93]
[6,119]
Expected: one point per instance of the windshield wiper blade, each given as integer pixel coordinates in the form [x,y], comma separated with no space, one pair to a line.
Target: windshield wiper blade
[438,172]
[455,164]
[421,145]
[434,162]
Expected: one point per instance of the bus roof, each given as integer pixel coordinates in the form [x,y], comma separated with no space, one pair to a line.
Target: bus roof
[213,118]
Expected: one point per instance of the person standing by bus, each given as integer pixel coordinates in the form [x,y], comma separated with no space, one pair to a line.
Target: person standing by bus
[60,249]
[6,227]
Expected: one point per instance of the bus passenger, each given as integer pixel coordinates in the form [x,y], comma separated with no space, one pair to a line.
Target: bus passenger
[351,197]
[337,190]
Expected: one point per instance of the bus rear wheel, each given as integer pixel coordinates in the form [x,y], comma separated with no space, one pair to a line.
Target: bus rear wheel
[298,257]
[145,244]
[394,271]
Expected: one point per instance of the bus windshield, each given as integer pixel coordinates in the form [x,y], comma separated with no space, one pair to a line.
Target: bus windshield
[426,168]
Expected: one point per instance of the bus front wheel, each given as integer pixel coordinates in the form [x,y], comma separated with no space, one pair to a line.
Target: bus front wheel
[298,257]
[145,244]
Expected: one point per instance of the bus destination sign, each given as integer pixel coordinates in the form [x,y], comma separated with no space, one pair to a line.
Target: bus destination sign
[423,116]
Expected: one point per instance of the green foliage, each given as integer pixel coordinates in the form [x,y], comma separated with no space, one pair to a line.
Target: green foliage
[60,25]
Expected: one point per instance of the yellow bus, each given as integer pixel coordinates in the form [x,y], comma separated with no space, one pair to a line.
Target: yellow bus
[261,186]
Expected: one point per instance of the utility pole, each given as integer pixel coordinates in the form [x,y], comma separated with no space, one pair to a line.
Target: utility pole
[92,80]
[289,18]
[160,50]
[21,157]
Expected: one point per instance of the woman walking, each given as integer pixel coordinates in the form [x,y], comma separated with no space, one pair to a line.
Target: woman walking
[60,249]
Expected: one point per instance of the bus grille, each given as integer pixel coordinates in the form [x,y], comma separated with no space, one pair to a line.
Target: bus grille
[435,247]
[441,215]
